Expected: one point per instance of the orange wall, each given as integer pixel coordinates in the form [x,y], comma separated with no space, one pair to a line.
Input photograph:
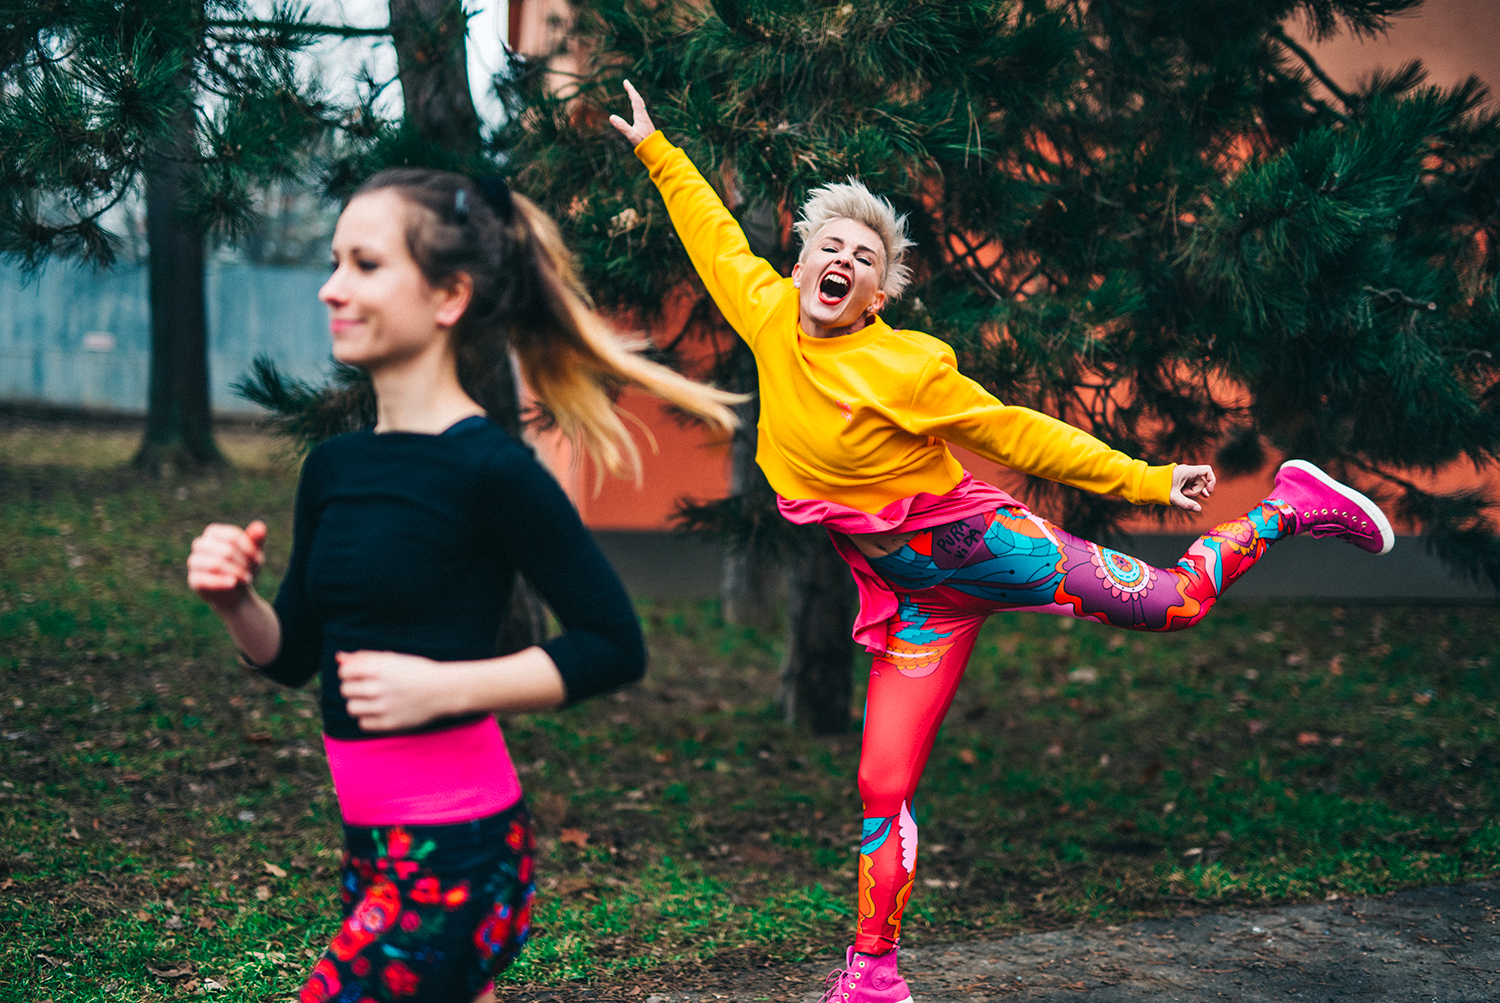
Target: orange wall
[687,461]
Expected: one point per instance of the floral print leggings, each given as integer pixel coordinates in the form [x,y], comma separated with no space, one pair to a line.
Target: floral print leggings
[947,580]
[431,912]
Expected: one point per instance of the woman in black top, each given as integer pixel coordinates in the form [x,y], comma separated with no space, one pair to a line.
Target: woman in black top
[407,538]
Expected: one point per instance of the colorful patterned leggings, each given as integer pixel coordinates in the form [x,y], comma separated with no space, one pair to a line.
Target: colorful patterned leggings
[947,581]
[431,912]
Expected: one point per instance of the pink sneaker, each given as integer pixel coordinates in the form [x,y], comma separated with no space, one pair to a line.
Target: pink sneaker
[1324,507]
[866,979]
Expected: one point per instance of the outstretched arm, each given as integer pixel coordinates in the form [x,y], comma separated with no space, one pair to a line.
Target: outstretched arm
[745,287]
[947,404]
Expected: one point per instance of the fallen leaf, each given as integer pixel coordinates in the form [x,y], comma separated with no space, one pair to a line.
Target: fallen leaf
[173,971]
[143,915]
[259,737]
[262,892]
[1309,738]
[274,871]
[1256,727]
[73,833]
[205,923]
[574,837]
[967,757]
[7,884]
[1055,749]
[54,962]
[575,886]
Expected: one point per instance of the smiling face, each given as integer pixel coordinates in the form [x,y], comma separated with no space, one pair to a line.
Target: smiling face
[839,278]
[381,308]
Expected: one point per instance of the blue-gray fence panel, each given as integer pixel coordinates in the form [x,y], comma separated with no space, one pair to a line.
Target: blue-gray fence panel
[79,337]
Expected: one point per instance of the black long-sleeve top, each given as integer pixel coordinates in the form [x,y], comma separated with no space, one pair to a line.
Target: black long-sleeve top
[410,542]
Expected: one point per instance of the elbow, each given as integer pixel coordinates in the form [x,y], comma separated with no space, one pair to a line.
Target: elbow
[292,677]
[635,663]
[630,660]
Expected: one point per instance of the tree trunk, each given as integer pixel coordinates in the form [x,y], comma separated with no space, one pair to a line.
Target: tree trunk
[752,574]
[179,424]
[817,673]
[432,61]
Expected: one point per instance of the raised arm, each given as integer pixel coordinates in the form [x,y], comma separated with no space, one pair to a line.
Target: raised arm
[745,287]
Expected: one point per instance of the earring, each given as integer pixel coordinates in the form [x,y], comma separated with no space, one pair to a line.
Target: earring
[796,283]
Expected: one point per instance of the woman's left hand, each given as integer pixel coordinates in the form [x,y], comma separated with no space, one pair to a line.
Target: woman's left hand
[387,691]
[1191,481]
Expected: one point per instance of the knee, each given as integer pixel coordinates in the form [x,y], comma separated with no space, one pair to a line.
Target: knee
[882,791]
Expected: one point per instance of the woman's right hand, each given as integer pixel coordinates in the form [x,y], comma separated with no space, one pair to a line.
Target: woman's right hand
[641,127]
[224,560]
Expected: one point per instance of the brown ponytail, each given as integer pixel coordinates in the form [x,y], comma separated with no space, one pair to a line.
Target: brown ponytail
[527,296]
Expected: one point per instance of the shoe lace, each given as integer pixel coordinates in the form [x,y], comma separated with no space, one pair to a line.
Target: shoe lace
[831,983]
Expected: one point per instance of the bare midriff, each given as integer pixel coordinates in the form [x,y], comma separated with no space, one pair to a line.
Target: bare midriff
[879,544]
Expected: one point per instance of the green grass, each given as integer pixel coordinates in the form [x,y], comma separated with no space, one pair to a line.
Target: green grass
[150,790]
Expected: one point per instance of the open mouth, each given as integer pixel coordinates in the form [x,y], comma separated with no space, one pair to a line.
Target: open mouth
[833,288]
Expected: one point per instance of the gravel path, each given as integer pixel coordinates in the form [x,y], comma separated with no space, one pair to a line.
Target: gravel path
[1434,945]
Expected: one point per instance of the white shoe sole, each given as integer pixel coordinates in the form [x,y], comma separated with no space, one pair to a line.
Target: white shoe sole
[1369,508]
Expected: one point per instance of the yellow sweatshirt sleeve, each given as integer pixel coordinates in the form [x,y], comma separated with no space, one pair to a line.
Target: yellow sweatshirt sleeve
[949,405]
[745,287]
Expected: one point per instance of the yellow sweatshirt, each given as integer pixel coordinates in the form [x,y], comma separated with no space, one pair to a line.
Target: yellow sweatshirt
[862,419]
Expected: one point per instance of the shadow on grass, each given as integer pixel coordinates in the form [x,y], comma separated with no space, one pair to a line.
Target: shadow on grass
[167,825]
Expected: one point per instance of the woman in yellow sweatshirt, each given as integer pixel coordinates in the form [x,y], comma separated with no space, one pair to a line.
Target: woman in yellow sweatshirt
[855,422]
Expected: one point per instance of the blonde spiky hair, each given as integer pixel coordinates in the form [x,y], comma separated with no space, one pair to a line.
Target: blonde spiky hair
[852,200]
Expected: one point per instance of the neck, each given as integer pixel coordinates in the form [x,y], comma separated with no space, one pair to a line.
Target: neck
[813,329]
[421,394]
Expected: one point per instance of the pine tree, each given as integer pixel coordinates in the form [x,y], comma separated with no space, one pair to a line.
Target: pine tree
[1138,215]
[187,103]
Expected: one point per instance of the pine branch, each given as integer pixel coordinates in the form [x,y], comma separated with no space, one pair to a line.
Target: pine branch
[1307,59]
[301,28]
[305,414]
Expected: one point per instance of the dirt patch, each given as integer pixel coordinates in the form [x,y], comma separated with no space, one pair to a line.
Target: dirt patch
[1429,944]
